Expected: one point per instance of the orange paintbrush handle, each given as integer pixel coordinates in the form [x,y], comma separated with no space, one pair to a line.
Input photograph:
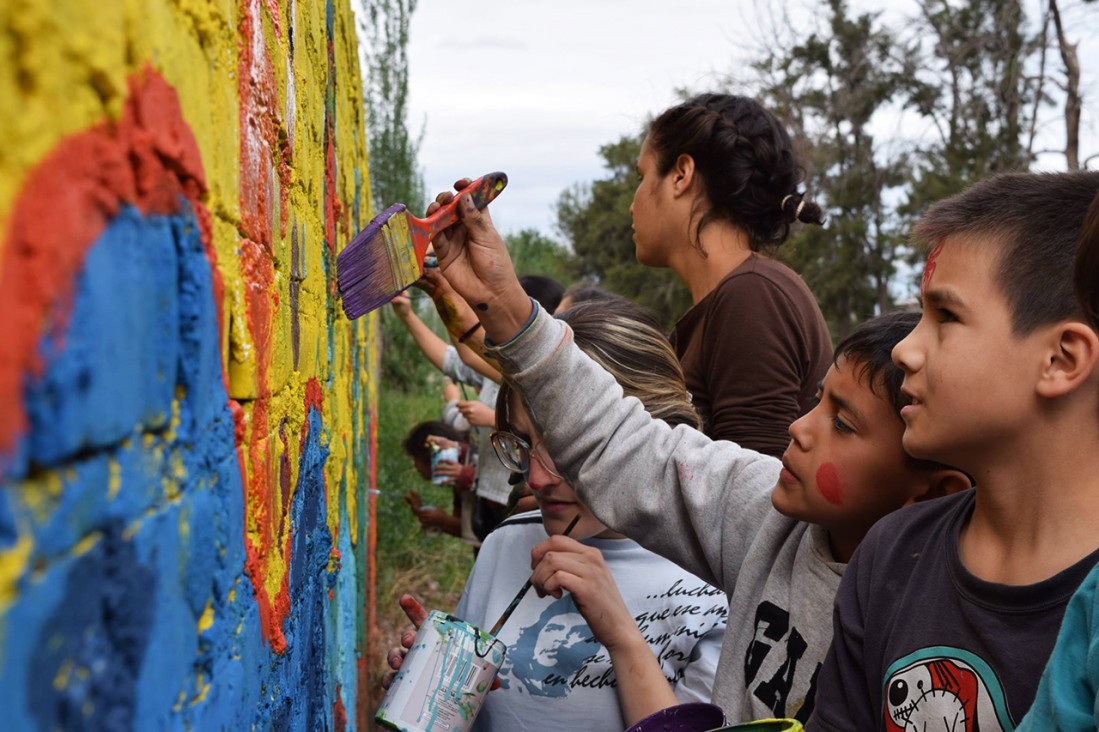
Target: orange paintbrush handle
[483,191]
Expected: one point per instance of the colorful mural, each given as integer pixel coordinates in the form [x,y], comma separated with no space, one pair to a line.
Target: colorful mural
[186,418]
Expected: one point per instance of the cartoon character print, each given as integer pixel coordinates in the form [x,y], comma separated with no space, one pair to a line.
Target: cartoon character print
[948,690]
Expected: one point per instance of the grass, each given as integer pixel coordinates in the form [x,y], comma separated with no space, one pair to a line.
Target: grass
[431,567]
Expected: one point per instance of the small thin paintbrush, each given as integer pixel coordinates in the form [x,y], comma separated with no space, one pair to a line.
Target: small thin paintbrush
[387,256]
[523,591]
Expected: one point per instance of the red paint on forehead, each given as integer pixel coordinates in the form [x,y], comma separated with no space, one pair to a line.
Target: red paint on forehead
[828,483]
[932,263]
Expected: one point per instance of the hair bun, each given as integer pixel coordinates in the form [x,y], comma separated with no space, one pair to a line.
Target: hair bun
[797,208]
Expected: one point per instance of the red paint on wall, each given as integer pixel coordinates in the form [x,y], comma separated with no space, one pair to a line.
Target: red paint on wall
[265,154]
[339,714]
[148,158]
[828,483]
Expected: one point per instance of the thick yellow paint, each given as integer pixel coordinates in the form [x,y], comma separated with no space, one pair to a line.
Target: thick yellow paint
[14,562]
[206,621]
[87,543]
[114,478]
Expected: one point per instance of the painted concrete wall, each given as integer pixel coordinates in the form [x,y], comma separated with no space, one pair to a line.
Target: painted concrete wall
[186,418]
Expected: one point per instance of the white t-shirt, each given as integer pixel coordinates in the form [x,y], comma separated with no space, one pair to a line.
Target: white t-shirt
[555,675]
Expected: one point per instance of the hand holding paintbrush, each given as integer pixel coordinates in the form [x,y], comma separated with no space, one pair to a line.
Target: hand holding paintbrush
[388,255]
[475,261]
[523,590]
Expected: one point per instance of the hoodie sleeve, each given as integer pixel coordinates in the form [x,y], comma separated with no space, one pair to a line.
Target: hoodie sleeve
[695,501]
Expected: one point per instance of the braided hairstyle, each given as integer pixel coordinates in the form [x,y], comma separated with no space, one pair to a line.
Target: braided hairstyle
[747,161]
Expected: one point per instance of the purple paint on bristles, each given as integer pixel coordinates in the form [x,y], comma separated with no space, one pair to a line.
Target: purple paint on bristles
[363,269]
[387,256]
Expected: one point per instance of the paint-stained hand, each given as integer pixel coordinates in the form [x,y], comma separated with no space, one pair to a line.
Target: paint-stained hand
[478,414]
[475,262]
[433,517]
[414,501]
[563,564]
[417,615]
[448,469]
[402,306]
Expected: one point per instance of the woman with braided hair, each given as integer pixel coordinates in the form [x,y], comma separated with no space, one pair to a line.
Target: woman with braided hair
[718,191]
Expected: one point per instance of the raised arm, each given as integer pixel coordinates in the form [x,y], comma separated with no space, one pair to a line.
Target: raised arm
[430,344]
[676,492]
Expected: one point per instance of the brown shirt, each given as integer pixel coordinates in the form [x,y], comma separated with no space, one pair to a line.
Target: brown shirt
[753,352]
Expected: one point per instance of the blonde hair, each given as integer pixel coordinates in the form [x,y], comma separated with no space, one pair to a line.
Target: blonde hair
[625,340]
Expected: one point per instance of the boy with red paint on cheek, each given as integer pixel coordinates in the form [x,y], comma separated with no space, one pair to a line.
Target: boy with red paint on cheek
[710,505]
[949,610]
[845,466]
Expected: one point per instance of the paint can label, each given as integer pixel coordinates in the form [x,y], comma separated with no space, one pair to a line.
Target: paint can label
[442,453]
[443,679]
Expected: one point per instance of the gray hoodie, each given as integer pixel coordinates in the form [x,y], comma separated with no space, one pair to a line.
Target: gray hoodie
[703,504]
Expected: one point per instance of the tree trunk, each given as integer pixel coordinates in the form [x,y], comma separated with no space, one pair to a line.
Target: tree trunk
[1072,91]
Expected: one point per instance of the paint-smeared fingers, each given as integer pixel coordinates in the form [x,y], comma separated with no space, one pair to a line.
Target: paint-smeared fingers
[395,657]
[413,609]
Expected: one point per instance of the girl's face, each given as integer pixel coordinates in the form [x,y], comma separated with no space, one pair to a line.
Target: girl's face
[651,209]
[556,498]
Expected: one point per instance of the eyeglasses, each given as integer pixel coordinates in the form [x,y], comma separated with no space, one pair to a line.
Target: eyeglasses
[514,452]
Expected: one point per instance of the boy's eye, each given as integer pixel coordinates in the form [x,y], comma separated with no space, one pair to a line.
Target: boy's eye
[840,426]
[945,316]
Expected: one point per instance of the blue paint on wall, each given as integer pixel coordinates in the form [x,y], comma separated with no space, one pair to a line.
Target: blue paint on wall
[116,368]
[106,636]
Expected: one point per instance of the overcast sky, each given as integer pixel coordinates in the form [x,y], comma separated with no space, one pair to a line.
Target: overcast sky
[535,87]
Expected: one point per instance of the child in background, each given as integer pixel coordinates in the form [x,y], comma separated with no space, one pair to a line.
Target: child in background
[773,535]
[949,610]
[491,484]
[419,445]
[1068,694]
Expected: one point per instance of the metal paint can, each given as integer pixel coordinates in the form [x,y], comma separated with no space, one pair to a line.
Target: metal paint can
[443,679]
[442,453]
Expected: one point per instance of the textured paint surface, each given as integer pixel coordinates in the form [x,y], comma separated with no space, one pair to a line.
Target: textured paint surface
[828,483]
[186,422]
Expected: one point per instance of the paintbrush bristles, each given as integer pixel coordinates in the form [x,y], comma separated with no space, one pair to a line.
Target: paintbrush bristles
[377,264]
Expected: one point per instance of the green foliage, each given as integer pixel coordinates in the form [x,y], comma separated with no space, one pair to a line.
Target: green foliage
[395,175]
[964,75]
[832,86]
[403,365]
[534,253]
[434,564]
[595,219]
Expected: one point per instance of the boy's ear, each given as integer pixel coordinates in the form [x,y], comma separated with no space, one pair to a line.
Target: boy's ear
[1072,358]
[944,482]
